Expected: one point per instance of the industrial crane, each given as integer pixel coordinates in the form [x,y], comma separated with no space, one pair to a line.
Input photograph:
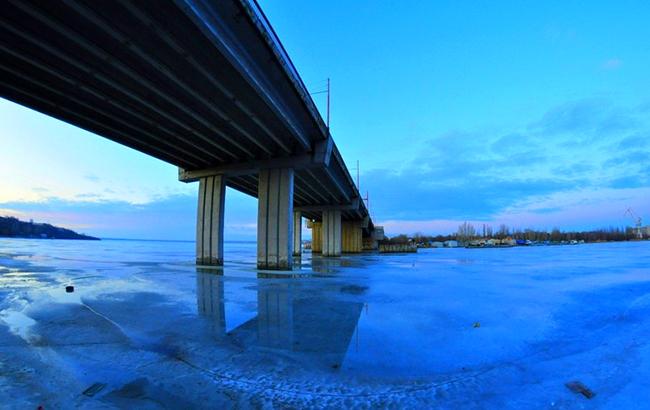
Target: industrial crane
[637,222]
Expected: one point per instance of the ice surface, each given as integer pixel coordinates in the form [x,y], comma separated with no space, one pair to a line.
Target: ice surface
[362,331]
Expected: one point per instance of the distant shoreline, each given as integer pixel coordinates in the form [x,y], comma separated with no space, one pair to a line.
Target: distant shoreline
[252,241]
[85,238]
[170,240]
[11,227]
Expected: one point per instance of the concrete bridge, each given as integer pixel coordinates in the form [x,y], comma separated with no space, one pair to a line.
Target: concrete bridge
[201,84]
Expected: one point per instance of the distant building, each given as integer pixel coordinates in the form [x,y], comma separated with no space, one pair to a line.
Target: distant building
[372,242]
[436,244]
[378,233]
[451,244]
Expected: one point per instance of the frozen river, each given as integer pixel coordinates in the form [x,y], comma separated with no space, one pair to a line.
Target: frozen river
[448,328]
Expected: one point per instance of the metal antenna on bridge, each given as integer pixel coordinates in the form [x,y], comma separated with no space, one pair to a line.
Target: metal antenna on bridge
[328,103]
[357,169]
[326,90]
[367,199]
[358,185]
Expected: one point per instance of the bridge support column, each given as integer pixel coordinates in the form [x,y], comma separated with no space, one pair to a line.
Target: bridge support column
[209,223]
[316,237]
[275,219]
[297,233]
[332,233]
[351,233]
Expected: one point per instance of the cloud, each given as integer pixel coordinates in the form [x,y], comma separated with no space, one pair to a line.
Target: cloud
[612,64]
[576,148]
[92,177]
[574,165]
[559,33]
[413,195]
[172,217]
[88,196]
[585,120]
[634,141]
[629,158]
[11,212]
[514,142]
[580,209]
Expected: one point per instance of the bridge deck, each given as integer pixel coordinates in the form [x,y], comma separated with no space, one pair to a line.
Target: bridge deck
[195,83]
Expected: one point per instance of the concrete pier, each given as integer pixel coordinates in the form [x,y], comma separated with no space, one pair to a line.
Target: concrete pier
[372,242]
[351,233]
[331,232]
[209,223]
[316,237]
[297,233]
[275,219]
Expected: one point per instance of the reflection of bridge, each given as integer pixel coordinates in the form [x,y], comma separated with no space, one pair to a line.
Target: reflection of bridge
[204,85]
[319,327]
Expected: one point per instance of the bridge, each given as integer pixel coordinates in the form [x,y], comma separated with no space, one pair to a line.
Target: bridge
[204,85]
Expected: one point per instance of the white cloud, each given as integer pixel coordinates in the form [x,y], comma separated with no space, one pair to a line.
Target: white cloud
[612,64]
[11,212]
[581,209]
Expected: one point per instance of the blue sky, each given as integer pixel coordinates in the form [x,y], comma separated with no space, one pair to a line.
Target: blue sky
[534,115]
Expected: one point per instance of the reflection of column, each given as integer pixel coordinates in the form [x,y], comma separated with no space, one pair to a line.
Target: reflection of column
[209,298]
[316,325]
[275,316]
[326,265]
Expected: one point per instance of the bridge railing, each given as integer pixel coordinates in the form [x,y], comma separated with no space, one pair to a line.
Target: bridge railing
[263,23]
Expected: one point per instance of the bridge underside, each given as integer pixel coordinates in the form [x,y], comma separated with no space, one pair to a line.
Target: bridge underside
[200,84]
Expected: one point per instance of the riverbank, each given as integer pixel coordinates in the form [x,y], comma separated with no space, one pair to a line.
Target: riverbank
[510,243]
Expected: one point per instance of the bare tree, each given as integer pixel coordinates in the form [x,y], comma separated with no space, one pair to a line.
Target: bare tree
[503,231]
[466,231]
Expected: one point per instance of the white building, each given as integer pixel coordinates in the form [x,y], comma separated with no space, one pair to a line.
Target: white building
[451,244]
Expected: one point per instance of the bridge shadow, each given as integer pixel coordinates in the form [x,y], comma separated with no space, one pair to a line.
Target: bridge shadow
[290,318]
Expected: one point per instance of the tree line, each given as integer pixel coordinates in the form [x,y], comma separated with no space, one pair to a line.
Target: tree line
[14,228]
[468,232]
